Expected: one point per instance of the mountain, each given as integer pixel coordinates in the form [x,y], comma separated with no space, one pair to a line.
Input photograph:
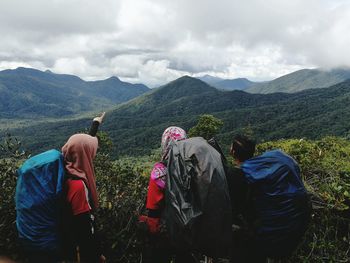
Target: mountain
[227,84]
[211,80]
[136,126]
[234,84]
[115,90]
[301,80]
[30,93]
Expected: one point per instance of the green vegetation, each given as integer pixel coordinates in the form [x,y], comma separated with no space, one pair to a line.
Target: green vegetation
[325,166]
[8,167]
[207,127]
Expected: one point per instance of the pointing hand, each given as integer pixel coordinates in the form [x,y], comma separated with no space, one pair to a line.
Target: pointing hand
[100,118]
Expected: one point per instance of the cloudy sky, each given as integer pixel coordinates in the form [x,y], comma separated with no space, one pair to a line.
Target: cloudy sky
[156,41]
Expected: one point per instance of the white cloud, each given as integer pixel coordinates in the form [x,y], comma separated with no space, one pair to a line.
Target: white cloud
[76,66]
[127,65]
[12,65]
[154,41]
[155,72]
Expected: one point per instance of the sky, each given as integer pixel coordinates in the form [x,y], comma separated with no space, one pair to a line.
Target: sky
[156,41]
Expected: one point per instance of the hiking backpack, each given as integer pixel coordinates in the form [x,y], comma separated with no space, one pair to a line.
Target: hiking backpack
[197,205]
[39,199]
[281,202]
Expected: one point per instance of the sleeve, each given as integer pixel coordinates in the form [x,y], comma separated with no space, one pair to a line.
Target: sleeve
[155,196]
[154,205]
[94,128]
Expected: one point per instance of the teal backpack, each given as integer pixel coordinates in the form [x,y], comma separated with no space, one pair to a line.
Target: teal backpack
[39,199]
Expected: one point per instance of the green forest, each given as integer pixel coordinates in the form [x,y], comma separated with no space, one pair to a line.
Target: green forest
[122,184]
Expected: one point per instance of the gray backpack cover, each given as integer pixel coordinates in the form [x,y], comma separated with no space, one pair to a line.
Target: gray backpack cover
[197,208]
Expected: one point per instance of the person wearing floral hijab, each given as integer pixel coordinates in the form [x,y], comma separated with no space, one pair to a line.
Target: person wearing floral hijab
[156,196]
[156,186]
[158,174]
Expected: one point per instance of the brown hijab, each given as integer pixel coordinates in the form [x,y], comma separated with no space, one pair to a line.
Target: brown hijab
[79,153]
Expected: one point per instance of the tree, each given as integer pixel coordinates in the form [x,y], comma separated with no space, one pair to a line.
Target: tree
[207,127]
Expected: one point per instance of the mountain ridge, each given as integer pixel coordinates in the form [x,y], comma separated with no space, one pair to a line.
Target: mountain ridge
[31,93]
[301,80]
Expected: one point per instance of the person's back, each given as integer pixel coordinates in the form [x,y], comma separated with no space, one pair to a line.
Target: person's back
[43,191]
[281,203]
[156,247]
[81,197]
[198,208]
[277,207]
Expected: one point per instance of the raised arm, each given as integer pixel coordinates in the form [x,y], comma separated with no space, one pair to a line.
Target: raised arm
[96,123]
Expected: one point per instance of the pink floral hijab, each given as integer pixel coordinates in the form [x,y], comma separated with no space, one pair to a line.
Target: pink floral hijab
[79,153]
[170,135]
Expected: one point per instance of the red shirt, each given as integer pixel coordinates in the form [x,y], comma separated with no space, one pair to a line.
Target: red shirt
[155,195]
[77,196]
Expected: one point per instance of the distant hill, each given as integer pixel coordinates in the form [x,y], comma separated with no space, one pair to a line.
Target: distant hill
[30,93]
[227,84]
[234,84]
[302,80]
[211,80]
[136,126]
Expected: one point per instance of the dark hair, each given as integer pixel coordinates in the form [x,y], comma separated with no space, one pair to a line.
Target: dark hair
[243,147]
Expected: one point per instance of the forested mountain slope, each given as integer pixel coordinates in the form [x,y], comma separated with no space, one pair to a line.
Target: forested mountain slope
[136,127]
[302,80]
[30,93]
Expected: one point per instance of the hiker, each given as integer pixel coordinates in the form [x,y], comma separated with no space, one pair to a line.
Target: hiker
[55,198]
[271,207]
[81,243]
[158,248]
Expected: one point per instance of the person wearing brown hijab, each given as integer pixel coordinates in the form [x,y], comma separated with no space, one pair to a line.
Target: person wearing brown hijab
[81,241]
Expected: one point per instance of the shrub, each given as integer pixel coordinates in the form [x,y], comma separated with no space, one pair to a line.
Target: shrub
[122,187]
[8,167]
[207,127]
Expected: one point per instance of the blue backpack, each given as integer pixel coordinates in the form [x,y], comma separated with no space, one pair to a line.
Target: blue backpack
[281,202]
[39,199]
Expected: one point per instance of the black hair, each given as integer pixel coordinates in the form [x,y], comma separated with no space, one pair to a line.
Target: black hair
[243,147]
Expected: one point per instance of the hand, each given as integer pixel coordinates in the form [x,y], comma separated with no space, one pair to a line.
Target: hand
[102,259]
[100,118]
